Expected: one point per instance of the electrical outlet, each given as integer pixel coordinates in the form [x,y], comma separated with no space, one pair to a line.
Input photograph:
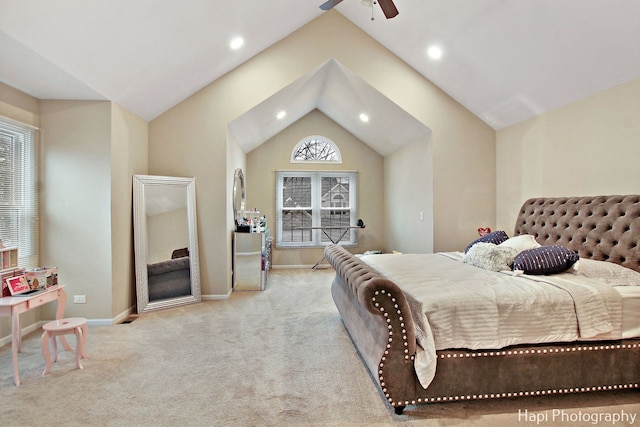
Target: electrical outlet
[79,299]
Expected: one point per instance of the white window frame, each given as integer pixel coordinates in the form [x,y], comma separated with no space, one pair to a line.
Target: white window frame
[350,238]
[19,198]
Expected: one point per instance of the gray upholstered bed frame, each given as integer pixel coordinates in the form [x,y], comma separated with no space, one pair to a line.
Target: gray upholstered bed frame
[376,315]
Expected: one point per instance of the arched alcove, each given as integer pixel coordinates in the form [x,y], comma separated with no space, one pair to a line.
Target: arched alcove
[403,141]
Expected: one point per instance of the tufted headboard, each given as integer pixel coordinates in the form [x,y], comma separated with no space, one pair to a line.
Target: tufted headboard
[605,228]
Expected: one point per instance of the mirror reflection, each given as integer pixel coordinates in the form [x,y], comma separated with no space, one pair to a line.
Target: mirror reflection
[166,249]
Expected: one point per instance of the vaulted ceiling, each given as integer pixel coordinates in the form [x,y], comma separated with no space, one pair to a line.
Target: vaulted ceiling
[504,60]
[341,95]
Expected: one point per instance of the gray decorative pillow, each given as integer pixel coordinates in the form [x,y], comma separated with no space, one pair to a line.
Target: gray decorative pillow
[490,256]
[495,237]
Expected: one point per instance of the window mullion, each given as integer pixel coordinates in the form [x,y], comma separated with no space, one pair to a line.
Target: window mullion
[352,206]
[316,205]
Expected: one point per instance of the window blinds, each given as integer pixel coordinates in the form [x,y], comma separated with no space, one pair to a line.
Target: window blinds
[18,190]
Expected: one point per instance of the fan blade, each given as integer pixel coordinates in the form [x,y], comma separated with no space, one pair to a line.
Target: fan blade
[329,4]
[388,8]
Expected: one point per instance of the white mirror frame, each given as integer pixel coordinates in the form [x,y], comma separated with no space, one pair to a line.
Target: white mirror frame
[140,242]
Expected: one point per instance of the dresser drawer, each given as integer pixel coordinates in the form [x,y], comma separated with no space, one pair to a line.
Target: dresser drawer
[41,299]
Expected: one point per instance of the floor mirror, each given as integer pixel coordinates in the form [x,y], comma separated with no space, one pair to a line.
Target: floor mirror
[165,242]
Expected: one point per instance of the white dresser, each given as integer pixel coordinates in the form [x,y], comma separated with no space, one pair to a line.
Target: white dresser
[251,261]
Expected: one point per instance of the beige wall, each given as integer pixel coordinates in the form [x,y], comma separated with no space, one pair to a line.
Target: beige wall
[408,203]
[273,155]
[191,138]
[19,106]
[90,150]
[75,221]
[590,147]
[129,156]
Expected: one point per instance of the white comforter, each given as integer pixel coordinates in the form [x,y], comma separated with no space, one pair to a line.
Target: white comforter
[457,305]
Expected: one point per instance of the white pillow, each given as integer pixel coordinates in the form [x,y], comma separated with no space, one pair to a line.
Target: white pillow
[613,274]
[521,243]
[490,257]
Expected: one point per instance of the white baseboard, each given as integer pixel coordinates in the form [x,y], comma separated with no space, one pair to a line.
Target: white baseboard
[91,322]
[27,330]
[216,297]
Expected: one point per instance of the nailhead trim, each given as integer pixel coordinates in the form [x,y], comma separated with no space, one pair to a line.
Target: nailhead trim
[540,351]
[405,343]
[514,394]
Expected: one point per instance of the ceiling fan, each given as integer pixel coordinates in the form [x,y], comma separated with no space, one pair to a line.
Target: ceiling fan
[387,6]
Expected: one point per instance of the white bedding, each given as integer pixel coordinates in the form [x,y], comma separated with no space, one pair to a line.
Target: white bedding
[483,309]
[630,311]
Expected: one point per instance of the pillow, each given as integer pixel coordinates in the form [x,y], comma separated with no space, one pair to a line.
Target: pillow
[490,257]
[521,243]
[495,237]
[612,274]
[545,260]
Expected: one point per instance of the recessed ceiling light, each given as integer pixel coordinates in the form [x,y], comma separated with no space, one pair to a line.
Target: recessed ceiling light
[364,117]
[236,43]
[281,115]
[434,52]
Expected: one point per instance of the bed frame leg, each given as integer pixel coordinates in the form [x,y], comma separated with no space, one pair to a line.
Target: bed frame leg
[399,409]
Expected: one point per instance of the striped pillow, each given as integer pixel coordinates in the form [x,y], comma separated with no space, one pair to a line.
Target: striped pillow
[545,260]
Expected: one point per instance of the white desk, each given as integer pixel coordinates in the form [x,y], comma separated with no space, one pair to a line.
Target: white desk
[14,306]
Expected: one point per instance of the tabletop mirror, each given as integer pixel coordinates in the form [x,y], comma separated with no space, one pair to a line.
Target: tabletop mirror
[165,242]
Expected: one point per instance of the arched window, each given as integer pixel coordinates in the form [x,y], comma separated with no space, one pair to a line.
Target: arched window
[316,149]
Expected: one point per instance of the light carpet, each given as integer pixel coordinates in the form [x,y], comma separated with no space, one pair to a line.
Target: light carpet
[279,357]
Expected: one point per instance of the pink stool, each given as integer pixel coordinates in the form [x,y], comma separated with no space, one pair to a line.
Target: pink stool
[61,327]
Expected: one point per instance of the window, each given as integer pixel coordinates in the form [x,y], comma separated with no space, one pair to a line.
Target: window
[315,199]
[316,149]
[18,191]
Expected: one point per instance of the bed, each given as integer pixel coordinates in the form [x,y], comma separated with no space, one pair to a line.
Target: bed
[412,338]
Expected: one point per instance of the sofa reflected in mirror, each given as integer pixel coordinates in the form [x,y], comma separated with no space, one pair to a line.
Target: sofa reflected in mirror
[166,246]
[170,278]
